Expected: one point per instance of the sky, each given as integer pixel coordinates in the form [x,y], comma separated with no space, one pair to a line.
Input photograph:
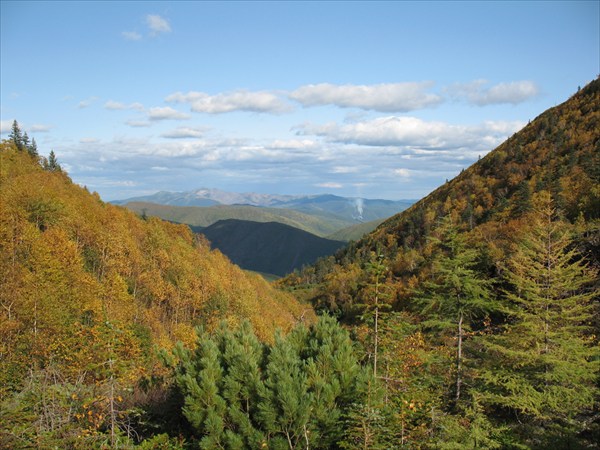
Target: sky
[359,99]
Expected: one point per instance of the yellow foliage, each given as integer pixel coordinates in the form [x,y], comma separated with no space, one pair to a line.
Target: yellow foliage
[82,278]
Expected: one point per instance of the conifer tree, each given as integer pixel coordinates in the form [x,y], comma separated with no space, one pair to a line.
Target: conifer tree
[16,135]
[32,148]
[544,364]
[241,358]
[376,293]
[52,164]
[199,377]
[285,410]
[239,393]
[25,143]
[456,294]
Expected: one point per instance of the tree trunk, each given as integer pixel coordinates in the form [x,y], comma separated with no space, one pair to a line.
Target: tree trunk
[459,357]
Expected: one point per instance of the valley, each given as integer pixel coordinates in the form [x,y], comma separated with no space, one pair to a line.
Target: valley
[299,225]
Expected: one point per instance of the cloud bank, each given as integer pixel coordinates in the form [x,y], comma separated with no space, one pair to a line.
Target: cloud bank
[476,92]
[241,100]
[390,97]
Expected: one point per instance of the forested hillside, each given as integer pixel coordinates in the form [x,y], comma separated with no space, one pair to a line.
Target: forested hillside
[206,216]
[478,306]
[469,320]
[558,153]
[271,247]
[89,291]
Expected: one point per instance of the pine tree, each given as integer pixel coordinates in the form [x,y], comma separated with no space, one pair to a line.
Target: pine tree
[285,410]
[295,394]
[200,377]
[456,294]
[32,148]
[375,291]
[25,143]
[16,135]
[241,359]
[544,364]
[52,164]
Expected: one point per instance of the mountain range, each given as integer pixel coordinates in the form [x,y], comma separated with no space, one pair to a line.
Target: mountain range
[349,209]
[476,311]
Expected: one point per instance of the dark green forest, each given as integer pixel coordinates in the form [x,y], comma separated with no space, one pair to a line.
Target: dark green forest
[469,320]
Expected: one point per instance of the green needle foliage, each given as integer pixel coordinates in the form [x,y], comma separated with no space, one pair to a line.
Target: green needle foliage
[455,295]
[239,393]
[544,365]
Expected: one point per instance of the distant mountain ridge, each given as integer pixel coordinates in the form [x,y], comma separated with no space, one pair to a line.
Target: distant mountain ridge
[195,216]
[268,247]
[210,197]
[352,209]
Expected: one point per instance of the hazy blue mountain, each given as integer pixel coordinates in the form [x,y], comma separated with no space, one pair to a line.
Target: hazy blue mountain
[268,247]
[350,209]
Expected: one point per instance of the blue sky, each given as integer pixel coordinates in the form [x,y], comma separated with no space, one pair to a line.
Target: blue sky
[372,99]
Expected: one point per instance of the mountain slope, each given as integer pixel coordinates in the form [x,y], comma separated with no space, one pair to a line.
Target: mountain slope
[481,300]
[81,278]
[269,247]
[331,207]
[558,152]
[355,232]
[204,217]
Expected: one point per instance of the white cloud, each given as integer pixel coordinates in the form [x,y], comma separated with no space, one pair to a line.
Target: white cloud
[166,113]
[157,24]
[402,173]
[389,97]
[87,102]
[414,133]
[477,93]
[138,123]
[241,100]
[330,185]
[124,183]
[184,132]
[293,144]
[344,169]
[117,106]
[5,126]
[131,35]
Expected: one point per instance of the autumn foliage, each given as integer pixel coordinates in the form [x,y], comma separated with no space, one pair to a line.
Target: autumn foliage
[89,290]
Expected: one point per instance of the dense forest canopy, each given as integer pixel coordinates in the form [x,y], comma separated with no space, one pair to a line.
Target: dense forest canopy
[89,290]
[491,282]
[468,321]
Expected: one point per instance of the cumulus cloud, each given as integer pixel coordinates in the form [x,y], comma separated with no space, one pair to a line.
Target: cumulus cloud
[241,100]
[166,113]
[131,35]
[184,132]
[138,123]
[402,173]
[119,106]
[344,169]
[293,144]
[157,24]
[5,126]
[413,132]
[478,93]
[87,102]
[389,97]
[330,185]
